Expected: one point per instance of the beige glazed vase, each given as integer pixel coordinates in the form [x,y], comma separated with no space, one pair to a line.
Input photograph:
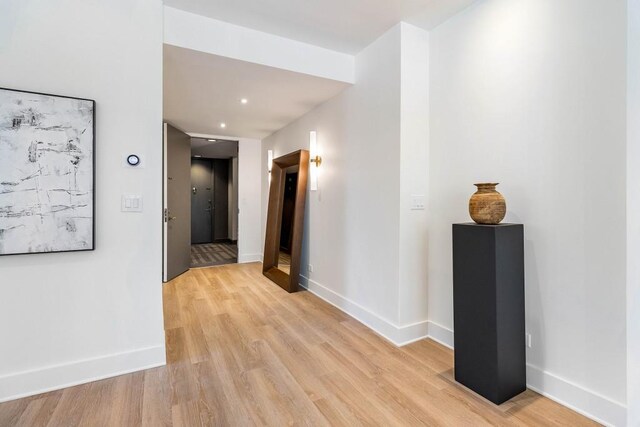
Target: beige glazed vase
[486,205]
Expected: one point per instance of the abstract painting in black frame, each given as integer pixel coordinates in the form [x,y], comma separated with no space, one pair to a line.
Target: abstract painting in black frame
[47,173]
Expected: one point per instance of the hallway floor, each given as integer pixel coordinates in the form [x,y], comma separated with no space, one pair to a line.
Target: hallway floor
[210,254]
[241,351]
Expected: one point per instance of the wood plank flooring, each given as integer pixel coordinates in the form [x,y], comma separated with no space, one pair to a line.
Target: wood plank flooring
[241,351]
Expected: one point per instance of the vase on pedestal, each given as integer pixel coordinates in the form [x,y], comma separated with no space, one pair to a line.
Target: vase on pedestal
[486,205]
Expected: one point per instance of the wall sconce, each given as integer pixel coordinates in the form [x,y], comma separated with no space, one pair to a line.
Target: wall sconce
[269,160]
[315,158]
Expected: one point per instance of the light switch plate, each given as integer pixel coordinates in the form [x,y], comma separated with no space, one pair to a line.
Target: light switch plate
[417,202]
[131,203]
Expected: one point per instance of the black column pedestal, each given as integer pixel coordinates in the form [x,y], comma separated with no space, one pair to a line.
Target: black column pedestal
[488,294]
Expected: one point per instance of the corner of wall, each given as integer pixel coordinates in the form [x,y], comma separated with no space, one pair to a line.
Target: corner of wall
[399,335]
[413,171]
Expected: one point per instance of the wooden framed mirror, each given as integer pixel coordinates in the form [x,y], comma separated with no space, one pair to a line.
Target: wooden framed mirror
[285,219]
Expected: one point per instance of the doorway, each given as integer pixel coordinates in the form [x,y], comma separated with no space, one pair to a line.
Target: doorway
[177,209]
[201,212]
[213,203]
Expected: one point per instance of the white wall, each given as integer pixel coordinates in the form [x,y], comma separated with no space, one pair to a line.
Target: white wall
[353,220]
[414,176]
[633,214]
[71,317]
[531,94]
[249,200]
[355,209]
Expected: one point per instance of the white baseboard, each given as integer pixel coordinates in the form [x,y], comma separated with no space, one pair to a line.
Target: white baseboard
[440,334]
[398,335]
[579,399]
[586,402]
[244,258]
[29,383]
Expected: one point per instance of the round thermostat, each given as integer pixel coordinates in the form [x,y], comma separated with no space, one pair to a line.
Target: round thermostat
[133,160]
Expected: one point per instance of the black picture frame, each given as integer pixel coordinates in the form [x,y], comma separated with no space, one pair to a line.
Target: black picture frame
[93,172]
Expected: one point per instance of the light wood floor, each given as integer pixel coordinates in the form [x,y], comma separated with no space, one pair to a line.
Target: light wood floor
[241,351]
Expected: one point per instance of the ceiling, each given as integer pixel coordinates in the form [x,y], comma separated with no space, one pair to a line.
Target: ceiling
[216,149]
[203,90]
[342,25]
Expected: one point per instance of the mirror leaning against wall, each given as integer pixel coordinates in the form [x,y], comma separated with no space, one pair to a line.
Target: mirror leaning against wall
[285,219]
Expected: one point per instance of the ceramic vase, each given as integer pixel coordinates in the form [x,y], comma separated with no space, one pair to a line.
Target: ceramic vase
[486,205]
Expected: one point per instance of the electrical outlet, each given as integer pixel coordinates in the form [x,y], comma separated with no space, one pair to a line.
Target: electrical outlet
[310,268]
[528,340]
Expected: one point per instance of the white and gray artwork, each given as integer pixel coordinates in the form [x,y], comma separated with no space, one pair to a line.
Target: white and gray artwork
[46,173]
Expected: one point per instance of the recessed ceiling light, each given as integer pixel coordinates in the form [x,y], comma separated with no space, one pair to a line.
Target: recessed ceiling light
[211,140]
[244,100]
[223,125]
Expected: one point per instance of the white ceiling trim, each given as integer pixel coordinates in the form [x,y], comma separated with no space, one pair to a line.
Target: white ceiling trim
[196,32]
[340,25]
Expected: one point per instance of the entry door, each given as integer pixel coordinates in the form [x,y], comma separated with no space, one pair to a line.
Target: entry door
[202,201]
[177,206]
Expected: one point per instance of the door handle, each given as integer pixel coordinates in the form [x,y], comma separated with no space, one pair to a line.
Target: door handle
[172,218]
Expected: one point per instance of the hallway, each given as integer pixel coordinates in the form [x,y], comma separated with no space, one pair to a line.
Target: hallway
[241,351]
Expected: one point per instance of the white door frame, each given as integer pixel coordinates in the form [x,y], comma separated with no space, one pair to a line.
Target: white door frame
[165,206]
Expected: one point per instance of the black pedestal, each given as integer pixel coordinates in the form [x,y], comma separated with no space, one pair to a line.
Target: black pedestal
[488,294]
